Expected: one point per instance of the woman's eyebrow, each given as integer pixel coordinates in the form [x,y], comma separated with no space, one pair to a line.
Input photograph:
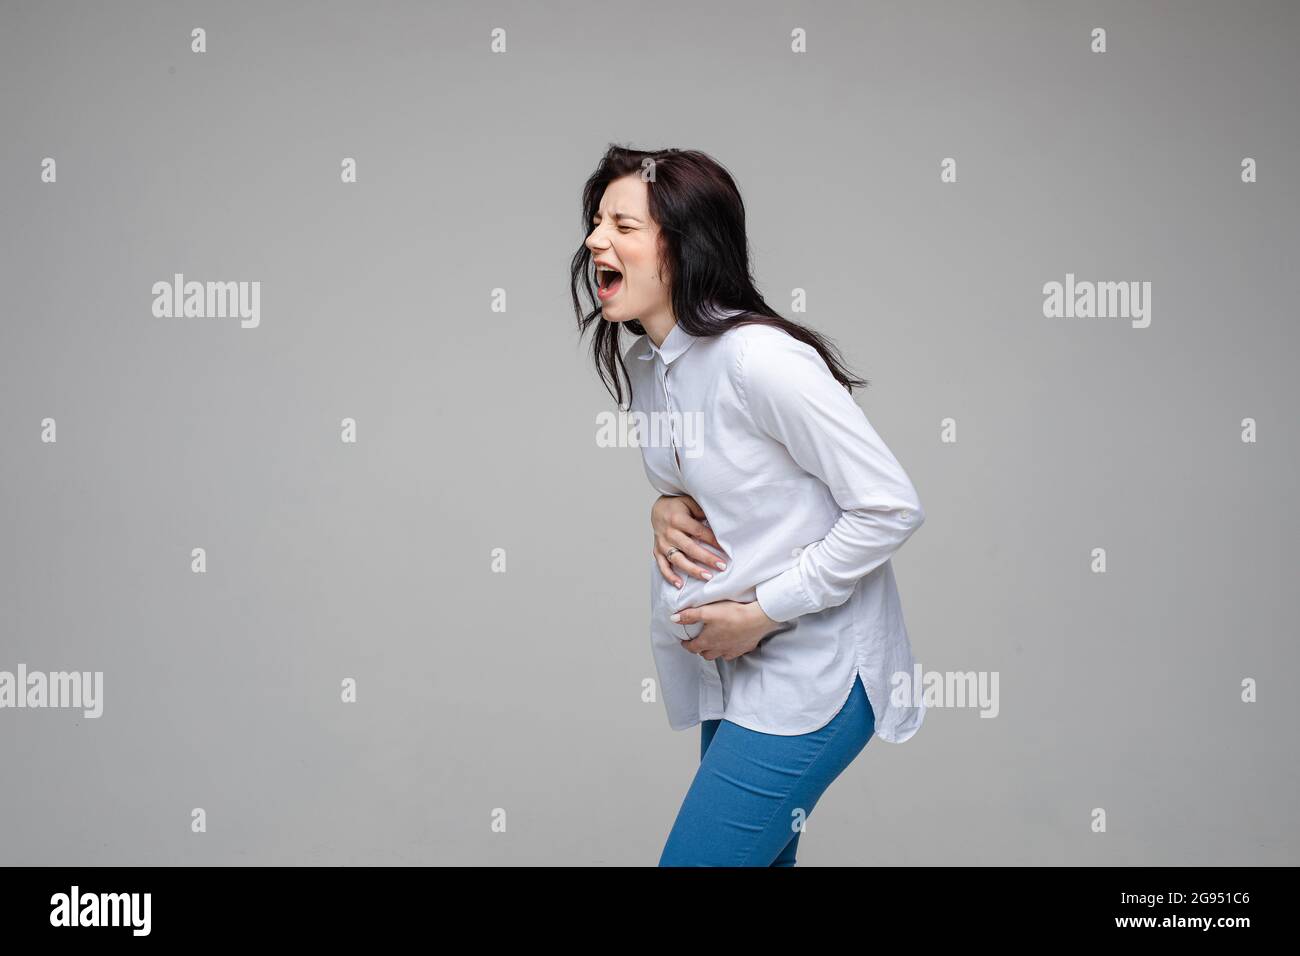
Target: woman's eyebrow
[623,215]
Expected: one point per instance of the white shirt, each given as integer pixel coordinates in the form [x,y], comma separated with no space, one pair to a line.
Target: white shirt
[808,505]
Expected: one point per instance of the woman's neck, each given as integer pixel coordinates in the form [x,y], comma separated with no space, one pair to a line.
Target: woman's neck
[658,325]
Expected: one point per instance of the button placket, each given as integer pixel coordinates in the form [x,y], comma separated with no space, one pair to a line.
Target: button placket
[672,425]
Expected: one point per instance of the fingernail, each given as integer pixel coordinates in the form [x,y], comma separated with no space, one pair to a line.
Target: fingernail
[679,584]
[705,574]
[721,566]
[675,618]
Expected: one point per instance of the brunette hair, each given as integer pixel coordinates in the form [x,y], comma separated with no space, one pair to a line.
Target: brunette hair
[703,246]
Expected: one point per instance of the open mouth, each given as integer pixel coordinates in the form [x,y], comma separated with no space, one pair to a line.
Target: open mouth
[608,281]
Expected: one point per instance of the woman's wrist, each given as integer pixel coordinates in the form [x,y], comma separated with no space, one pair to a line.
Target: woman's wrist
[762,617]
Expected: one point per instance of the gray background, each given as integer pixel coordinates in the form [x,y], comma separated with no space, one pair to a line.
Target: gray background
[477,430]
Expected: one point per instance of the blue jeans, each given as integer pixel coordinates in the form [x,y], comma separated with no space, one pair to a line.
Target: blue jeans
[752,790]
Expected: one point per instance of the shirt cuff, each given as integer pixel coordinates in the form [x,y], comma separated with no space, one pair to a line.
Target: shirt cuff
[782,598]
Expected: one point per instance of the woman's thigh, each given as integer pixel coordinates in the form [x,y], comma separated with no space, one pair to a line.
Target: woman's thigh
[787,856]
[752,790]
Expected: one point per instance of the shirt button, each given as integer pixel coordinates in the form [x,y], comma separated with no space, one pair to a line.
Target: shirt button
[796,552]
[904,513]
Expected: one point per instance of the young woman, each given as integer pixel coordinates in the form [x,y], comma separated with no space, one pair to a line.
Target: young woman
[775,619]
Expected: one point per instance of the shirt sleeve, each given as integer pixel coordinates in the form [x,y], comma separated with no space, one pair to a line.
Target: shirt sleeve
[793,398]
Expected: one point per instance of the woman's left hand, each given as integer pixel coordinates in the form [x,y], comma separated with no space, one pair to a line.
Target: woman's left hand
[731,628]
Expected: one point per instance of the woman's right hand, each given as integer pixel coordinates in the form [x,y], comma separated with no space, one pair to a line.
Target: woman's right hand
[677,523]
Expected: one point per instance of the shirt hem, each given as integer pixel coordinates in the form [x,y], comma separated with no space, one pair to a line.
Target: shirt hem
[753,725]
[890,736]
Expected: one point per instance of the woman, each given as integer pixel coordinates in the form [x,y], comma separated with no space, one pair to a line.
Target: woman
[775,619]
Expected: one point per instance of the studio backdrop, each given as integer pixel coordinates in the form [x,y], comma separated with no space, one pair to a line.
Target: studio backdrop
[313,548]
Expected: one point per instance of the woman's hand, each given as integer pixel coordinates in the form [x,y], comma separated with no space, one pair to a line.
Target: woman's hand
[731,629]
[676,523]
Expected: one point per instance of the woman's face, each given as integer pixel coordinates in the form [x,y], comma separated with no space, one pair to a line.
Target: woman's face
[624,239]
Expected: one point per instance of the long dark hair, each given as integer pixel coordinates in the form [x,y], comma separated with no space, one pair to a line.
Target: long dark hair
[703,246]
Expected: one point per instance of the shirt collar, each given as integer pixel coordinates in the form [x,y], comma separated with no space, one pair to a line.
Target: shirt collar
[678,340]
